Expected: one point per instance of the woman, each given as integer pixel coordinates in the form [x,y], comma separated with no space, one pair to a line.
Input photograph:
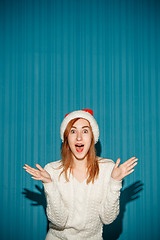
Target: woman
[82,190]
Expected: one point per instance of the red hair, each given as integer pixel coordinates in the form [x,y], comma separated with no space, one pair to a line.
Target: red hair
[67,161]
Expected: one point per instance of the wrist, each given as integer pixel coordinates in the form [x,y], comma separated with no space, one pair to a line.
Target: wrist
[47,181]
[116,179]
[116,185]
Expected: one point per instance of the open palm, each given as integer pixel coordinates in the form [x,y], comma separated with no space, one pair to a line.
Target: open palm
[121,171]
[38,174]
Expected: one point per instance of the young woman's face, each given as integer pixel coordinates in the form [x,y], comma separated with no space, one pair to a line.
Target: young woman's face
[79,139]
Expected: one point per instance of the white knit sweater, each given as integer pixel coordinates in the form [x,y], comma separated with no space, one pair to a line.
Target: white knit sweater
[77,210]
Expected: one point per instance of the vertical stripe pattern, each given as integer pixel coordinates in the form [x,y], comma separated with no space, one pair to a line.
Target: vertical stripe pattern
[57,56]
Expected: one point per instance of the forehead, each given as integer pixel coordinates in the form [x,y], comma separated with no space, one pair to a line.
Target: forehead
[81,122]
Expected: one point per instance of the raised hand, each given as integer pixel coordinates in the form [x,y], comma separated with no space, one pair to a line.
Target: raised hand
[40,174]
[119,172]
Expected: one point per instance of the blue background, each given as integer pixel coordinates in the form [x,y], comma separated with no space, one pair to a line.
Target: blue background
[64,55]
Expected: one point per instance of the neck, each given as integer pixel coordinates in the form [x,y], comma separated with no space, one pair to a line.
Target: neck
[79,163]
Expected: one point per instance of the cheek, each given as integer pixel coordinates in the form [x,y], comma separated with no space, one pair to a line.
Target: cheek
[88,140]
[70,140]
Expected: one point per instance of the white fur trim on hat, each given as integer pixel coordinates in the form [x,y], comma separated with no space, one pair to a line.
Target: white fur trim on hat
[80,114]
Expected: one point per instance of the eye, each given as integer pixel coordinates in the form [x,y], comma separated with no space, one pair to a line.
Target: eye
[85,131]
[72,131]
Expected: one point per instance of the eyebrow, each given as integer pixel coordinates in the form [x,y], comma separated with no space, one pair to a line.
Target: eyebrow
[82,127]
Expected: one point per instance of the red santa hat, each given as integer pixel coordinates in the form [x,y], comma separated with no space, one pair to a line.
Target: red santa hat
[84,113]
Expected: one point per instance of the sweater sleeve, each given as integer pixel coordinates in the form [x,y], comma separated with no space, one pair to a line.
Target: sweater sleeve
[56,210]
[109,209]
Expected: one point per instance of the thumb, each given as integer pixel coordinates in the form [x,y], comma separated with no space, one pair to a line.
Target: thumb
[117,162]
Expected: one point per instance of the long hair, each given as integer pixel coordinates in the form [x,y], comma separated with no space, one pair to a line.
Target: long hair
[67,161]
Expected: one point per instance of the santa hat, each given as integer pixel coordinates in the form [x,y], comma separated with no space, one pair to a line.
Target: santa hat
[84,113]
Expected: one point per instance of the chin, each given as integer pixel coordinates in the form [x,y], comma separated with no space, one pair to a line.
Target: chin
[78,157]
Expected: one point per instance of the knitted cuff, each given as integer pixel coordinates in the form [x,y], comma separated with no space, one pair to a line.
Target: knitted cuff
[115,185]
[49,187]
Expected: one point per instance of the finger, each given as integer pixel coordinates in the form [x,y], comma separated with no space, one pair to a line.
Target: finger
[132,170]
[132,166]
[32,173]
[40,168]
[117,162]
[27,169]
[30,168]
[132,162]
[129,161]
[37,178]
[26,165]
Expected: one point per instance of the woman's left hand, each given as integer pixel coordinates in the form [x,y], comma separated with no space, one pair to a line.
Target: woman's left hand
[119,172]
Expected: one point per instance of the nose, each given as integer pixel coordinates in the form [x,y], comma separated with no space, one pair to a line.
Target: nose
[79,135]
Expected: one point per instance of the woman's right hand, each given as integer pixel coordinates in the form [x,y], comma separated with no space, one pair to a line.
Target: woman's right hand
[40,174]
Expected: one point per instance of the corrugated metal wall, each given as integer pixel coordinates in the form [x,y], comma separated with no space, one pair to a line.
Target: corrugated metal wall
[63,55]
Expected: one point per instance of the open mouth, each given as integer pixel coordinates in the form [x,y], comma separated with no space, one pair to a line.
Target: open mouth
[79,147]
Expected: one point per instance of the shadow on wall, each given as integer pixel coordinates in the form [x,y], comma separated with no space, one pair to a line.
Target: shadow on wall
[131,193]
[37,198]
[111,231]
